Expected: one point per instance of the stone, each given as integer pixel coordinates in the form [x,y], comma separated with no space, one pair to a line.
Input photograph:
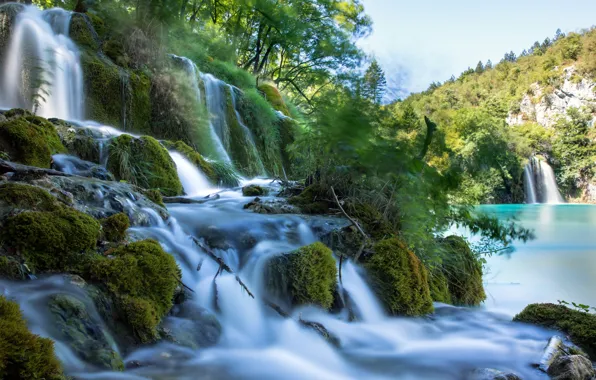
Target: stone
[492,374]
[571,367]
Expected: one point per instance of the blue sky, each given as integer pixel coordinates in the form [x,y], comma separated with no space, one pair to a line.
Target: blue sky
[421,41]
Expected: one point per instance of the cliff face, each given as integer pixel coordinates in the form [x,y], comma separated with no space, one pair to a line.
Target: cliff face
[546,108]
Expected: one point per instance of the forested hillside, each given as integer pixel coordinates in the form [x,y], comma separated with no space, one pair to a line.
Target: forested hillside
[495,117]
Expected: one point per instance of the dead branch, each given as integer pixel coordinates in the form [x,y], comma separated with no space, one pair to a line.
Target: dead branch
[353,221]
[11,167]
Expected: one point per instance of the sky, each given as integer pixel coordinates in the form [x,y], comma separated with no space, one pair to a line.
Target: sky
[418,42]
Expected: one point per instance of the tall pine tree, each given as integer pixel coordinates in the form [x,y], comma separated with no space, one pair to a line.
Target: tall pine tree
[375,83]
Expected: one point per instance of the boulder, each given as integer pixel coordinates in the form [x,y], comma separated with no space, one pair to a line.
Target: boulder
[492,374]
[253,191]
[571,367]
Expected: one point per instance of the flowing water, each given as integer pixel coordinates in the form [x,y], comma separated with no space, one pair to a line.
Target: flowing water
[540,183]
[194,182]
[42,71]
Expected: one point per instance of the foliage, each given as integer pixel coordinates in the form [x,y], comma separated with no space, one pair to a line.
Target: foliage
[114,227]
[375,83]
[579,325]
[312,200]
[24,355]
[399,279]
[307,275]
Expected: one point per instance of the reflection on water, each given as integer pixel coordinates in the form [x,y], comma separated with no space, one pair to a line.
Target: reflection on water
[559,264]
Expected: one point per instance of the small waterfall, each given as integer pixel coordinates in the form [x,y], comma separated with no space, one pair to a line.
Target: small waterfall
[194,182]
[361,295]
[248,136]
[540,183]
[195,75]
[215,98]
[42,71]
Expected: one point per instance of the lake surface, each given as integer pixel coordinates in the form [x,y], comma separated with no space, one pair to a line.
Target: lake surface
[560,264]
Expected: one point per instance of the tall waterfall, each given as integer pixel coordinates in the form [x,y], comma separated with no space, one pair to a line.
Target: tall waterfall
[215,99]
[42,71]
[194,182]
[540,183]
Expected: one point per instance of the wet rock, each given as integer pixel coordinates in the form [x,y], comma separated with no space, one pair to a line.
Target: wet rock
[253,191]
[271,206]
[82,333]
[183,200]
[492,374]
[216,238]
[76,166]
[79,142]
[192,327]
[571,367]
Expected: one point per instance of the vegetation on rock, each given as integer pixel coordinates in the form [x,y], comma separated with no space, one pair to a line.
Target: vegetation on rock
[312,200]
[24,355]
[253,191]
[26,197]
[114,227]
[145,163]
[399,279]
[274,97]
[307,276]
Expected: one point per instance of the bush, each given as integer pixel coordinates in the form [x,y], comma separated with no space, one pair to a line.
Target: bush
[114,227]
[51,240]
[307,276]
[399,279]
[463,272]
[144,162]
[30,140]
[579,325]
[24,355]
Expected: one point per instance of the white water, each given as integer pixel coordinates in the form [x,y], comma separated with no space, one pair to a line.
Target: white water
[540,183]
[194,182]
[42,71]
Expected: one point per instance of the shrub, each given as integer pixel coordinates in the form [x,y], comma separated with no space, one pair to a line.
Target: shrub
[24,355]
[399,279]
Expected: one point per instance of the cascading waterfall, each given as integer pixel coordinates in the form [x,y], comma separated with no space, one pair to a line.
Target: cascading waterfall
[215,99]
[248,136]
[194,182]
[42,71]
[540,183]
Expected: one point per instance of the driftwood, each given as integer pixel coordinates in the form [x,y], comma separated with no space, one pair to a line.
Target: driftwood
[355,223]
[11,167]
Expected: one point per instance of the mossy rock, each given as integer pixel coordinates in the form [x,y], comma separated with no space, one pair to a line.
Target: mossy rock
[579,325]
[154,196]
[143,279]
[305,276]
[287,132]
[274,98]
[145,163]
[399,279]
[51,240]
[313,200]
[253,191]
[8,14]
[24,355]
[103,89]
[83,33]
[139,119]
[371,219]
[11,268]
[463,272]
[30,140]
[439,287]
[114,227]
[85,337]
[98,25]
[78,142]
[20,196]
[114,49]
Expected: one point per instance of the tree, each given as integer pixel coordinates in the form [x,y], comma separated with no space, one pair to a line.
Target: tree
[479,68]
[489,65]
[375,83]
[510,57]
[559,35]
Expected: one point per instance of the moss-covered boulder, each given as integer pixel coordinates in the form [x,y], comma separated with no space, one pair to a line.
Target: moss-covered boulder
[371,219]
[313,200]
[114,227]
[85,336]
[463,272]
[399,279]
[103,91]
[579,325]
[305,276]
[12,269]
[83,33]
[51,240]
[142,278]
[24,355]
[439,287]
[145,163]
[139,107]
[154,196]
[21,196]
[253,191]
[77,141]
[30,140]
[274,98]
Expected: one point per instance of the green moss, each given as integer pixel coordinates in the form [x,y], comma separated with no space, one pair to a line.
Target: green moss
[253,191]
[463,272]
[140,107]
[313,200]
[154,196]
[579,325]
[114,49]
[399,279]
[30,140]
[372,220]
[144,278]
[78,142]
[287,132]
[274,98]
[24,355]
[10,268]
[26,197]
[98,24]
[114,227]
[51,240]
[144,162]
[103,89]
[307,275]
[439,287]
[82,32]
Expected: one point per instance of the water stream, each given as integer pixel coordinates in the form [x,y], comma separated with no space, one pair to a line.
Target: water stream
[540,183]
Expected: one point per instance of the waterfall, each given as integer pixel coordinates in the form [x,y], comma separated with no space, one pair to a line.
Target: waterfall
[248,136]
[194,182]
[215,99]
[540,183]
[42,71]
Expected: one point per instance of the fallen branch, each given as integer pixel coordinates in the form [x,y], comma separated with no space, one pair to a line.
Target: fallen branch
[184,285]
[353,221]
[11,167]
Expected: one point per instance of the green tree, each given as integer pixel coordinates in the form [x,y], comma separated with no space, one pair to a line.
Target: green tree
[479,68]
[375,83]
